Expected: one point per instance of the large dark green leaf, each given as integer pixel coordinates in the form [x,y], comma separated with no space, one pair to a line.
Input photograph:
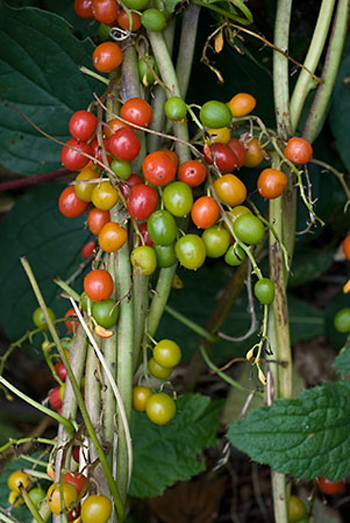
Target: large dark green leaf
[306,437]
[309,264]
[169,453]
[339,113]
[36,229]
[39,60]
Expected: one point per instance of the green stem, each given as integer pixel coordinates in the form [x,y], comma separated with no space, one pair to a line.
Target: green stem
[131,89]
[305,81]
[125,360]
[203,333]
[32,508]
[60,419]
[140,292]
[168,74]
[281,68]
[89,427]
[17,442]
[330,69]
[93,74]
[187,47]
[160,298]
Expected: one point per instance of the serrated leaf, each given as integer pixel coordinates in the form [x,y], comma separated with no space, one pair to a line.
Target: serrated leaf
[306,437]
[165,454]
[36,229]
[342,362]
[39,75]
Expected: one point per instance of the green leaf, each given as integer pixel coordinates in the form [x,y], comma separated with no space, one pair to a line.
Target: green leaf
[339,114]
[309,264]
[39,76]
[36,229]
[342,362]
[306,437]
[169,453]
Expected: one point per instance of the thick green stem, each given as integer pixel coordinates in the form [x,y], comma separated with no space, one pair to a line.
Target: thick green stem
[131,88]
[281,68]
[76,386]
[168,74]
[187,47]
[125,360]
[330,69]
[69,405]
[305,81]
[140,293]
[160,298]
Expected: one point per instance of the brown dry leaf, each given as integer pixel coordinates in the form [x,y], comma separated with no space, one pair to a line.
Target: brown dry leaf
[190,502]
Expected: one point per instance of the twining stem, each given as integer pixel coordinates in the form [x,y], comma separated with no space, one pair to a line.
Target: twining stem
[31,506]
[89,427]
[140,291]
[125,359]
[305,83]
[187,46]
[329,73]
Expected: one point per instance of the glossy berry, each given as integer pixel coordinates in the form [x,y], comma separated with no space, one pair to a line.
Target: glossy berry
[158,371]
[215,114]
[175,108]
[137,111]
[249,229]
[55,398]
[264,291]
[329,487]
[162,228]
[142,202]
[221,135]
[254,155]
[178,198]
[230,190]
[235,255]
[238,148]
[124,22]
[192,172]
[73,159]
[107,57]
[190,251]
[216,240]
[161,408]
[106,313]
[98,285]
[71,324]
[144,258]
[140,396]
[271,183]
[298,150]
[241,104]
[83,8]
[153,20]
[39,318]
[342,320]
[105,11]
[125,145]
[77,479]
[96,219]
[165,255]
[88,250]
[61,370]
[205,211]
[346,247]
[82,125]
[83,189]
[167,353]
[70,205]
[158,168]
[18,479]
[104,196]
[69,493]
[112,237]
[96,509]
[296,510]
[223,156]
